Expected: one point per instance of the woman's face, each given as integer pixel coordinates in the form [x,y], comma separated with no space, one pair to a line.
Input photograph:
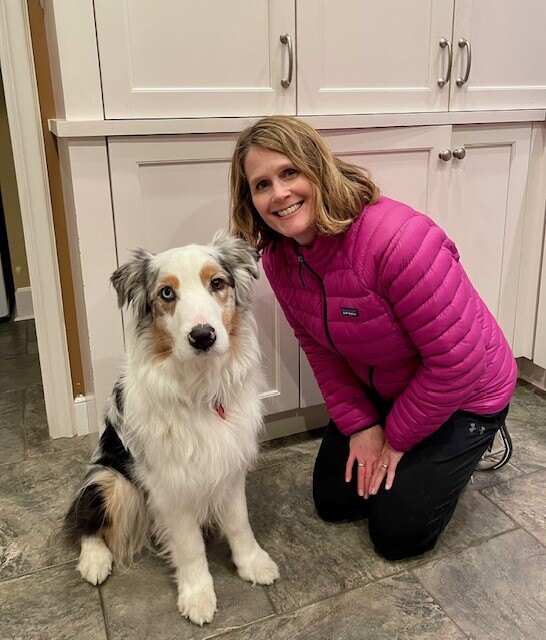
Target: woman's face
[282,195]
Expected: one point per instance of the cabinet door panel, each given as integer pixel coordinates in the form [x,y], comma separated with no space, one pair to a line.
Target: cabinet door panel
[174,190]
[370,56]
[508,68]
[405,165]
[176,58]
[486,212]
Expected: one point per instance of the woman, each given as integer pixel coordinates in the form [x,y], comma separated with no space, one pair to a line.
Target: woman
[415,372]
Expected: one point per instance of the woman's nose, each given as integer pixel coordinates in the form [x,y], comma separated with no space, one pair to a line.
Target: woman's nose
[280,192]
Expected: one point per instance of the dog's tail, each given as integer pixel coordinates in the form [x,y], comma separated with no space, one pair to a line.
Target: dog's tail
[111,507]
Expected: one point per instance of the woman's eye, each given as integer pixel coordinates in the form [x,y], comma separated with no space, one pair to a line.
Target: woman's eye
[166,293]
[261,185]
[217,284]
[291,172]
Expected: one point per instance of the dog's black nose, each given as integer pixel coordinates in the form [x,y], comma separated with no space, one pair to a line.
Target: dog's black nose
[202,337]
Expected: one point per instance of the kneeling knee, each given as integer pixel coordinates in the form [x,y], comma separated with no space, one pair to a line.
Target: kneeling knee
[402,543]
[336,510]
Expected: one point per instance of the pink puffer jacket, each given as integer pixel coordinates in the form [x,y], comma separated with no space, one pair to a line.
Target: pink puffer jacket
[387,304]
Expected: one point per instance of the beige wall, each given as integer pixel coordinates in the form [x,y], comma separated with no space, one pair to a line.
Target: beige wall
[10,201]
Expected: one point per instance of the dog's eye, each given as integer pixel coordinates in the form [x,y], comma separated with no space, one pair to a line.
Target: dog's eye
[166,293]
[217,284]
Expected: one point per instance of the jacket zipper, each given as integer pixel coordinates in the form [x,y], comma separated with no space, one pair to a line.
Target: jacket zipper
[300,261]
[324,299]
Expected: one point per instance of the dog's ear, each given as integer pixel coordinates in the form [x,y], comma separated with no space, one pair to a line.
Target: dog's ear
[240,260]
[134,282]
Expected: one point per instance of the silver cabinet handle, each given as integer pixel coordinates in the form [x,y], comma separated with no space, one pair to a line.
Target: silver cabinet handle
[286,39]
[446,43]
[445,155]
[463,42]
[459,153]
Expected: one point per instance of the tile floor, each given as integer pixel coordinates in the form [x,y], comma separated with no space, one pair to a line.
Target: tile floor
[484,580]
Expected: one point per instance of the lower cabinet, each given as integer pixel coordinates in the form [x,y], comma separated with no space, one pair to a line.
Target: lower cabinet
[173,190]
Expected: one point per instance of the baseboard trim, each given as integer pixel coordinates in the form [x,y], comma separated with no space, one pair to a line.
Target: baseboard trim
[24,309]
[85,411]
[289,423]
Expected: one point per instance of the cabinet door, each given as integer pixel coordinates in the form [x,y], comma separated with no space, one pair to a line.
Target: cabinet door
[539,356]
[177,58]
[404,163]
[172,191]
[486,212]
[508,69]
[372,56]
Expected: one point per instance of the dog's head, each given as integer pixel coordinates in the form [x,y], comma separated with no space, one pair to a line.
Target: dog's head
[189,300]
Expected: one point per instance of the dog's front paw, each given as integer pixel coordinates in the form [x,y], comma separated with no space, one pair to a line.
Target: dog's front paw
[197,604]
[258,568]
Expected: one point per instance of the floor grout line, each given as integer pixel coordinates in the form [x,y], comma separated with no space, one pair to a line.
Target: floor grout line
[38,570]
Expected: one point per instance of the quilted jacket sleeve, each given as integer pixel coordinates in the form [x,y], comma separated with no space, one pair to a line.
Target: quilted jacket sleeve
[343,392]
[434,303]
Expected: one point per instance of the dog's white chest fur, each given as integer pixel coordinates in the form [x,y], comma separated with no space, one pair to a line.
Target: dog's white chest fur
[189,452]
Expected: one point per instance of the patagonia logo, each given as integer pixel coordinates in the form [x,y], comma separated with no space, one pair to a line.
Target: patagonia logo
[348,311]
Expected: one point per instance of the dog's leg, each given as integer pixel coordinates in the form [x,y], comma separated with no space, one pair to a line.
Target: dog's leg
[253,563]
[95,562]
[183,539]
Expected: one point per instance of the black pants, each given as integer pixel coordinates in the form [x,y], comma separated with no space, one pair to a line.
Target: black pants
[406,520]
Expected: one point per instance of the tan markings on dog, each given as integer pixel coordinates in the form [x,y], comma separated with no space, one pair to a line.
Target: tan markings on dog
[161,306]
[162,340]
[209,271]
[127,520]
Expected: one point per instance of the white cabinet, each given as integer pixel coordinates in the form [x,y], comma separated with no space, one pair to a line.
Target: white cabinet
[172,191]
[178,58]
[540,340]
[486,212]
[508,47]
[372,56]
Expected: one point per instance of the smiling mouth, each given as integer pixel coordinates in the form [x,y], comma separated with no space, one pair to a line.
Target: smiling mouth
[286,212]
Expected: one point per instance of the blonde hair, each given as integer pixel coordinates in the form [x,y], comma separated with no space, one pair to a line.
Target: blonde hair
[340,189]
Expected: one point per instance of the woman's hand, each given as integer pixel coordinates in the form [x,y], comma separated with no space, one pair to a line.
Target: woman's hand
[365,448]
[385,466]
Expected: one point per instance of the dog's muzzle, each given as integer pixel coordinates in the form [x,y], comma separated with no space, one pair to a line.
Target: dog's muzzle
[202,337]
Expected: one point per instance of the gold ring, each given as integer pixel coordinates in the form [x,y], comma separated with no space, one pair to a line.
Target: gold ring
[385,466]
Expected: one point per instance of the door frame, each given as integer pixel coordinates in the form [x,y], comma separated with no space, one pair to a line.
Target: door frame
[33,188]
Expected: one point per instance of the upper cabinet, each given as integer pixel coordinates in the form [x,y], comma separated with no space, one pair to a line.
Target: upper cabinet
[180,58]
[373,56]
[499,55]
[177,58]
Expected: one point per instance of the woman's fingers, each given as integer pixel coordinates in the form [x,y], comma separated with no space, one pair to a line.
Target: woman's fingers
[393,463]
[349,466]
[367,480]
[361,478]
[378,476]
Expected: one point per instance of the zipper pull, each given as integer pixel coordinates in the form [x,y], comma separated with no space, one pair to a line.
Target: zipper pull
[300,270]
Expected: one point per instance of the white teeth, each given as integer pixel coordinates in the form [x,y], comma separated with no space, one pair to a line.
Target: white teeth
[285,212]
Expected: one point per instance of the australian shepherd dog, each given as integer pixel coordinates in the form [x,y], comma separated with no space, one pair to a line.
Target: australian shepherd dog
[182,423]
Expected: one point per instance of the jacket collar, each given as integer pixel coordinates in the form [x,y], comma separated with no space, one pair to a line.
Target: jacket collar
[319,254]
